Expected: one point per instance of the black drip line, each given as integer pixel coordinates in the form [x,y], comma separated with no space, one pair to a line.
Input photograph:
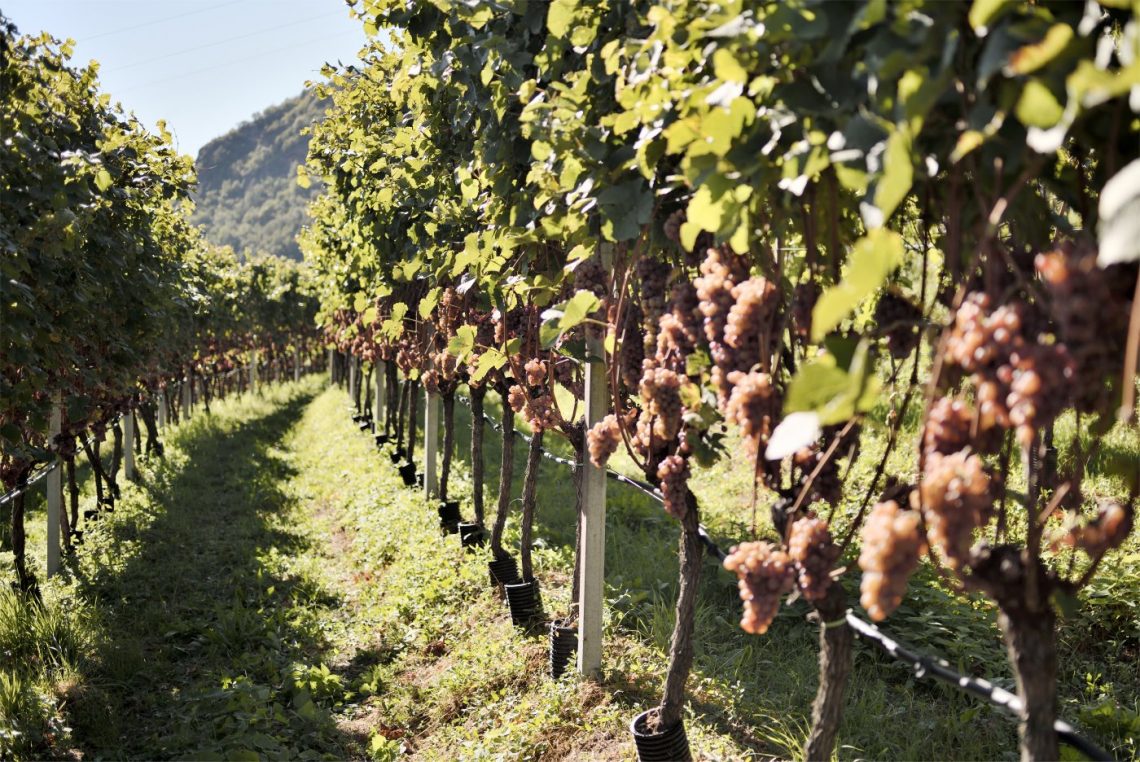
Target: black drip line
[921,664]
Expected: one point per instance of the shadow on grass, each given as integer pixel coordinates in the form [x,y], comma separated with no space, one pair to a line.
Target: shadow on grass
[203,641]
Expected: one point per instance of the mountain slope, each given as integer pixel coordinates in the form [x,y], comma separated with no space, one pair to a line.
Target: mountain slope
[248,195]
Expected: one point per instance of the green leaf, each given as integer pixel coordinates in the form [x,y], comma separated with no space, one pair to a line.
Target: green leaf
[897,175]
[560,17]
[873,258]
[1037,106]
[429,302]
[578,309]
[463,342]
[727,67]
[833,394]
[490,360]
[103,179]
[815,384]
[370,315]
[984,12]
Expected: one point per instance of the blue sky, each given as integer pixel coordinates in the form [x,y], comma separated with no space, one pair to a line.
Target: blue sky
[202,65]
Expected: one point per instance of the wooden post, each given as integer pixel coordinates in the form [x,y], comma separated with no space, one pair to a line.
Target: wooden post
[253,372]
[378,399]
[431,443]
[129,445]
[186,398]
[296,365]
[332,367]
[162,408]
[593,528]
[54,491]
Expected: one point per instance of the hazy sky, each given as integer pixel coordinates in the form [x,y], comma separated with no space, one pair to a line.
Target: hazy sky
[202,65]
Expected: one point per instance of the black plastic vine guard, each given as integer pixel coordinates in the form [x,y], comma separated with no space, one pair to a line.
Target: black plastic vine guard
[504,571]
[471,535]
[563,645]
[449,511]
[420,479]
[524,602]
[396,455]
[669,746]
[408,474]
[381,439]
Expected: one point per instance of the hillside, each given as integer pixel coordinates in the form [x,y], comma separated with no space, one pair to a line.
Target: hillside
[248,195]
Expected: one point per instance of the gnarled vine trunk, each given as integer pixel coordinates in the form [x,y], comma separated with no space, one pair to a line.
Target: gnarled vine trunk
[477,395]
[1031,640]
[72,490]
[530,489]
[448,442]
[24,577]
[681,645]
[506,474]
[392,403]
[835,656]
[116,458]
[413,409]
[402,413]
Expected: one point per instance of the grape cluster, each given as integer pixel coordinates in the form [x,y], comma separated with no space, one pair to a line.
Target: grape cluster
[685,306]
[672,226]
[898,319]
[567,374]
[652,278]
[516,398]
[804,297]
[827,485]
[892,545]
[591,276]
[603,440]
[535,372]
[1018,383]
[660,391]
[950,428]
[764,573]
[1091,308]
[755,304]
[632,346]
[673,343]
[1108,530]
[956,499]
[542,413]
[714,292]
[673,475]
[753,406]
[508,324]
[430,380]
[814,553]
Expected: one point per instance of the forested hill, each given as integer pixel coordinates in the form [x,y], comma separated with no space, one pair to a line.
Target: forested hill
[248,195]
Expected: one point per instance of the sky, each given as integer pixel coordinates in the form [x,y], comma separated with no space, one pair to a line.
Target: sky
[204,66]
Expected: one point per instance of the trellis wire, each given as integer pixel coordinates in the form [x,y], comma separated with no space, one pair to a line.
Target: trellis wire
[922,664]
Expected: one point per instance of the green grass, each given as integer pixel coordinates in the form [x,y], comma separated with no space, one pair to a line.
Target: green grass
[272,590]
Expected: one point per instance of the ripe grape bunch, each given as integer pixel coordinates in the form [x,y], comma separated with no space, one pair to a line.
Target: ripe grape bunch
[892,546]
[660,391]
[956,498]
[1018,383]
[755,305]
[753,406]
[1090,306]
[811,548]
[603,440]
[673,474]
[764,574]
